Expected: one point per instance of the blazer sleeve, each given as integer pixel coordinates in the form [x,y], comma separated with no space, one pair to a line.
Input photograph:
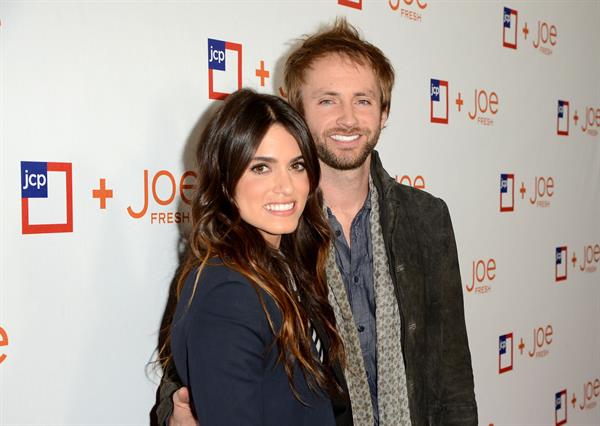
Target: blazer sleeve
[458,397]
[226,343]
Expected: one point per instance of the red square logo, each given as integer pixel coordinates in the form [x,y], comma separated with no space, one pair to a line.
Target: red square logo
[47,197]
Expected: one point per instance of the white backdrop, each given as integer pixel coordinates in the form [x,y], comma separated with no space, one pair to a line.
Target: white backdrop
[110,95]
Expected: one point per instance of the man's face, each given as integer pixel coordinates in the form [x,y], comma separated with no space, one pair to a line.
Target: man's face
[342,106]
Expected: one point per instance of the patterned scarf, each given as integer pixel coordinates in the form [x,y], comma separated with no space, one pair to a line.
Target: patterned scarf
[391,378]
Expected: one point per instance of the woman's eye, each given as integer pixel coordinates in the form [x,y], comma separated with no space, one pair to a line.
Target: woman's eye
[260,168]
[299,166]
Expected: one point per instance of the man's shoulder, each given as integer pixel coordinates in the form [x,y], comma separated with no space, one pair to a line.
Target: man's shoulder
[411,199]
[400,195]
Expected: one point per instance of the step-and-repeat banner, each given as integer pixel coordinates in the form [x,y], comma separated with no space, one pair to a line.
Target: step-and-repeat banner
[496,109]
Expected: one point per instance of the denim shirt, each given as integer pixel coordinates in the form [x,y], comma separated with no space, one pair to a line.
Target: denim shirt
[355,263]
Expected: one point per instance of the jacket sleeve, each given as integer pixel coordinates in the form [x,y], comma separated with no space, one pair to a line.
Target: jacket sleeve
[168,385]
[226,345]
[458,406]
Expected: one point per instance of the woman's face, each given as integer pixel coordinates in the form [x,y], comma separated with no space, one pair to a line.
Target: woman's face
[272,191]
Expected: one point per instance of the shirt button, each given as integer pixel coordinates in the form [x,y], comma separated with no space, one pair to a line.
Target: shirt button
[360,328]
[338,233]
[355,279]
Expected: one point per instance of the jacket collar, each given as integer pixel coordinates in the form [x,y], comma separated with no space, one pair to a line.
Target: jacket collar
[399,236]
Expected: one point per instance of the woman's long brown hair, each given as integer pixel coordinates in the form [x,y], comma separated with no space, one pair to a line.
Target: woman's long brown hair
[225,150]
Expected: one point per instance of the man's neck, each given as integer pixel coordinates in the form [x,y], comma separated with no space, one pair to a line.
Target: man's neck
[345,192]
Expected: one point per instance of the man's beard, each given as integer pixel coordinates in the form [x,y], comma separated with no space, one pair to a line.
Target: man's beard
[329,157]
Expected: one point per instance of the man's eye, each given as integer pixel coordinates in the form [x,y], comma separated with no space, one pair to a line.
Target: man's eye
[364,102]
[326,102]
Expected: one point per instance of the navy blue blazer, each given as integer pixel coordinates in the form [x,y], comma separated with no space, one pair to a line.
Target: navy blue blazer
[223,351]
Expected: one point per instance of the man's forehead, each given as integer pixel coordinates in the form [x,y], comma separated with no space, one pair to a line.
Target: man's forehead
[344,59]
[334,80]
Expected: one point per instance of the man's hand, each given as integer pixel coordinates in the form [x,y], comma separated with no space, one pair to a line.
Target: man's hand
[182,412]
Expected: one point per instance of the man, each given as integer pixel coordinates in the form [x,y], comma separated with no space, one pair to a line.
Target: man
[393,277]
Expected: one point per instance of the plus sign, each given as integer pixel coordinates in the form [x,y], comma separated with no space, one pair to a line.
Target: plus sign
[522,190]
[262,73]
[574,400]
[574,259]
[575,117]
[521,346]
[459,102]
[102,193]
[525,30]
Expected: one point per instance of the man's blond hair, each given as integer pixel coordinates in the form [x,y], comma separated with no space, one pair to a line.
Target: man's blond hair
[341,39]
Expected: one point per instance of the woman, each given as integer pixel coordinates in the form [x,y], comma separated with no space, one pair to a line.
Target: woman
[254,287]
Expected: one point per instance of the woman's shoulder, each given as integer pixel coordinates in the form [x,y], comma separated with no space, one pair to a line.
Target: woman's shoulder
[217,292]
[216,286]
[214,276]
[215,270]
